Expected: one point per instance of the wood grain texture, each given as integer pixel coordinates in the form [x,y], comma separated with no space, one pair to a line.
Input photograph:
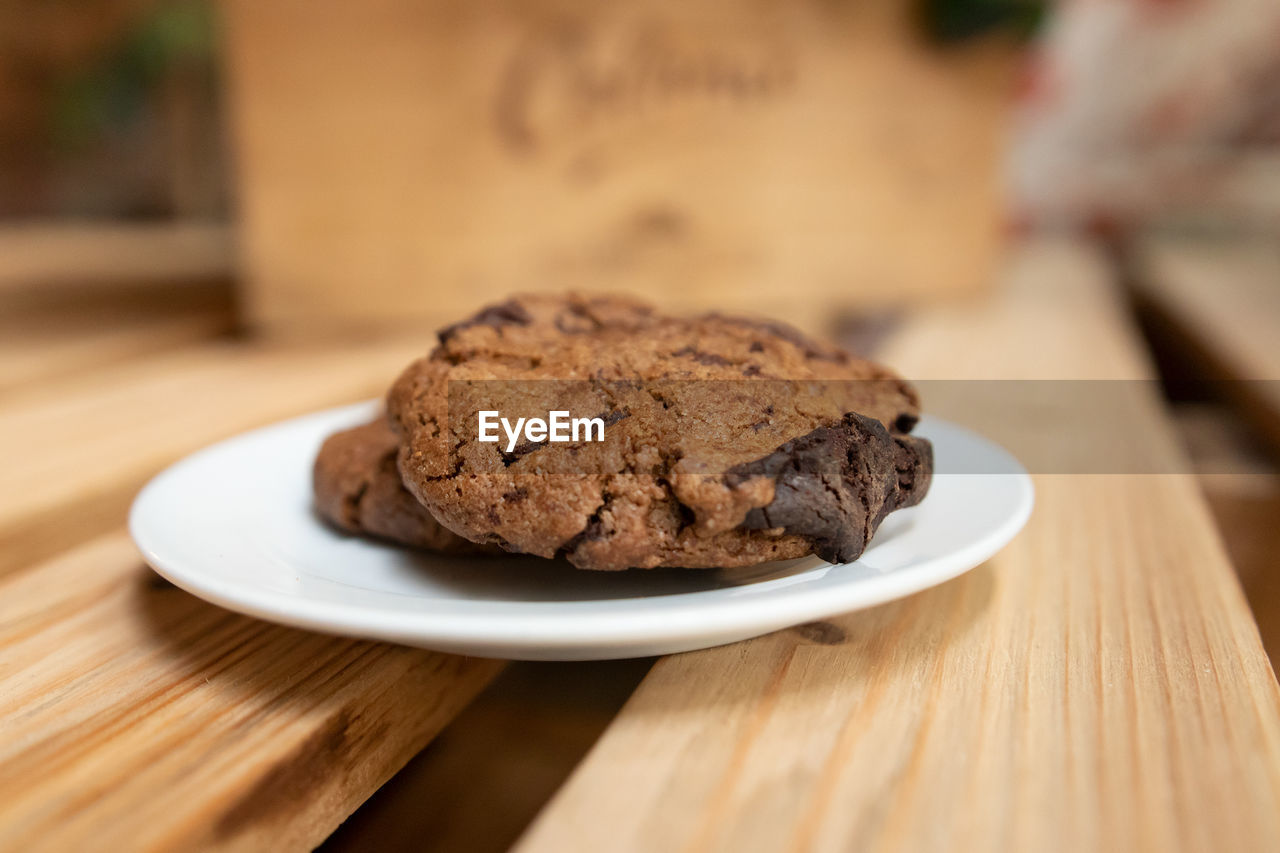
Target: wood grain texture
[1099,685]
[134,716]
[75,451]
[781,157]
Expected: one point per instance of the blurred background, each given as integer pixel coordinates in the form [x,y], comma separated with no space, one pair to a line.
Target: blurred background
[354,166]
[301,172]
[871,151]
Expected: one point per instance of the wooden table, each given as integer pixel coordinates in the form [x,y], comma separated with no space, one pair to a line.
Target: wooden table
[1098,685]
[1220,298]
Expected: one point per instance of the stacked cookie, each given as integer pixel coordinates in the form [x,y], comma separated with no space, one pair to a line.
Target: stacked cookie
[724,442]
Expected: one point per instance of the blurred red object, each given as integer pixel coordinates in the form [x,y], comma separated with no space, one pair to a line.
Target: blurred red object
[1137,109]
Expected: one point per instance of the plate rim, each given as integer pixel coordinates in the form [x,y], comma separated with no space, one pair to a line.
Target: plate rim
[628,622]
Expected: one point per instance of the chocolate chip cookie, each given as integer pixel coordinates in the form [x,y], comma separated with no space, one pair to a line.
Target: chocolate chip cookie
[727,441]
[357,489]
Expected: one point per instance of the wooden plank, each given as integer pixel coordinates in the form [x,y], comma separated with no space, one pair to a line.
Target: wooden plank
[134,716]
[108,253]
[1227,292]
[75,451]
[27,358]
[49,331]
[1100,684]
[84,295]
[1222,299]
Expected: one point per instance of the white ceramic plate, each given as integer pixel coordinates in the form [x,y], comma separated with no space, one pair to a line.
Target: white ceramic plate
[233,524]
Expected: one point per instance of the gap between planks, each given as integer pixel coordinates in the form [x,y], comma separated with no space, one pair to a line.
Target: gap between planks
[1220,299]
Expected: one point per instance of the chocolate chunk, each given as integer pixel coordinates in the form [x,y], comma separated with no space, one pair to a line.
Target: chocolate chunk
[791,335]
[710,359]
[575,319]
[509,313]
[835,485]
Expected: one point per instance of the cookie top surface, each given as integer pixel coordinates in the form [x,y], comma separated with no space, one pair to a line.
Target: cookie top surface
[611,338]
[687,402]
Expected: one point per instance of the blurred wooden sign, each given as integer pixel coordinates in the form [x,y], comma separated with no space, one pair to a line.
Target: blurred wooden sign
[403,161]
